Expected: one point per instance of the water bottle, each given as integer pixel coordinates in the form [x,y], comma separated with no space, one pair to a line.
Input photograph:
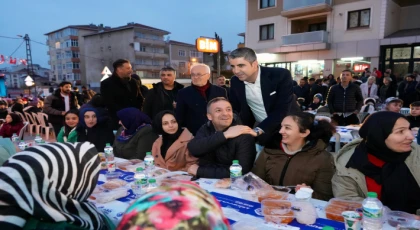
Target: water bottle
[149,162]
[137,188]
[139,175]
[235,170]
[110,160]
[15,138]
[22,145]
[152,184]
[38,139]
[372,212]
[144,185]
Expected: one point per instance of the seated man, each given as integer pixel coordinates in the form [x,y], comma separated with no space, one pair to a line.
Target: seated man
[414,117]
[220,141]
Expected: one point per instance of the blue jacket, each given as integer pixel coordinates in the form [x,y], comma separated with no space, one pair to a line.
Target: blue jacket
[191,107]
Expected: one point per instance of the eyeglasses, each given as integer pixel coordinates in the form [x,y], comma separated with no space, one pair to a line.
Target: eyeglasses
[198,75]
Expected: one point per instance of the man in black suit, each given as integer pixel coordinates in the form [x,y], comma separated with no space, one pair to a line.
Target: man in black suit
[260,95]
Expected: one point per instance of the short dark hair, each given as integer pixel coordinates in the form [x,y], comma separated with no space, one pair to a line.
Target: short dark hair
[214,100]
[168,68]
[325,79]
[347,70]
[247,53]
[317,81]
[118,63]
[415,104]
[311,79]
[63,83]
[221,76]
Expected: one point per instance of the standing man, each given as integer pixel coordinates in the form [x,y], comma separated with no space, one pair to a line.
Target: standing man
[121,91]
[221,82]
[163,94]
[260,95]
[58,103]
[345,100]
[79,96]
[191,106]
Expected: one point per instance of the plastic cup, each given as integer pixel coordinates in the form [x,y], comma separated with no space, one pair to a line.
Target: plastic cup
[352,220]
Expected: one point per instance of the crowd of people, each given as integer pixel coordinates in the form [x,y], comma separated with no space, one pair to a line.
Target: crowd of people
[202,128]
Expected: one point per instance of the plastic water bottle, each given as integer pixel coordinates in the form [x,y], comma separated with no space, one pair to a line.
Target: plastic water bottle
[149,162]
[144,185]
[15,138]
[152,184]
[22,145]
[372,212]
[235,170]
[110,160]
[139,175]
[38,139]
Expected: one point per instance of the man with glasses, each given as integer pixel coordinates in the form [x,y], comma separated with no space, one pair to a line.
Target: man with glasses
[191,107]
[163,94]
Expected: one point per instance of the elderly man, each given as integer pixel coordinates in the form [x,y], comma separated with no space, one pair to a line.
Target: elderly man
[192,100]
[220,141]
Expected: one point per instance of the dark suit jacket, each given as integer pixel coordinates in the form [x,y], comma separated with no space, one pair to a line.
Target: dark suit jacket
[277,93]
[191,107]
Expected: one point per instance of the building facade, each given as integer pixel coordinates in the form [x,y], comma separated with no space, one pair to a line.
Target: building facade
[15,76]
[320,37]
[67,54]
[182,56]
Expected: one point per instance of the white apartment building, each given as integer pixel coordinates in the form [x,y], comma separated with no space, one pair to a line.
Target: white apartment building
[319,37]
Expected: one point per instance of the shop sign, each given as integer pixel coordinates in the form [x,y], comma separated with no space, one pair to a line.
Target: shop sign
[207,45]
[360,67]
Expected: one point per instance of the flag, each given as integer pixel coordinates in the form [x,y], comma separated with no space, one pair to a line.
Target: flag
[1,59]
[12,61]
[23,61]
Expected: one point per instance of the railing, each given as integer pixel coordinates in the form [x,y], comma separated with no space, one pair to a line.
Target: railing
[296,4]
[305,38]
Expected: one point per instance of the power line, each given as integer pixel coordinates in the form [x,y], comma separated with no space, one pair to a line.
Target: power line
[8,37]
[17,48]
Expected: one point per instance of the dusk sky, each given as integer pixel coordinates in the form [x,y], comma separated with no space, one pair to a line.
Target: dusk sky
[185,19]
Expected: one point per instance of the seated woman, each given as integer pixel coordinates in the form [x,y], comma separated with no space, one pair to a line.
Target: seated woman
[170,149]
[385,161]
[68,132]
[135,137]
[60,200]
[302,159]
[94,127]
[13,125]
[35,108]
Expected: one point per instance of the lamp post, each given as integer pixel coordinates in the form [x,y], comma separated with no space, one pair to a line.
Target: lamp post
[29,82]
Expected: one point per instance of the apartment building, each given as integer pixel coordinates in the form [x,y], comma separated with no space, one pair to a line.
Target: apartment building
[182,56]
[65,49]
[15,76]
[319,37]
[143,45]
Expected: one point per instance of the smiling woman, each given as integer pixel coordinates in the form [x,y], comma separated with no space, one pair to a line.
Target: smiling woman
[384,161]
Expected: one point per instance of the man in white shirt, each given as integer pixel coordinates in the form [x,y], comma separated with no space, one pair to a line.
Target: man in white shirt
[261,96]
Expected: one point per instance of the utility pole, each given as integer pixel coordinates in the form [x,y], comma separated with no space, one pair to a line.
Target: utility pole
[30,67]
[218,64]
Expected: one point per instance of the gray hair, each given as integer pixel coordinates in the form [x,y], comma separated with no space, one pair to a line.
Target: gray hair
[388,79]
[214,100]
[372,78]
[247,53]
[201,64]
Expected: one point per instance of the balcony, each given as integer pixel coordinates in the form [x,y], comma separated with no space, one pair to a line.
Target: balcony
[147,67]
[75,59]
[317,40]
[149,41]
[75,71]
[293,8]
[152,55]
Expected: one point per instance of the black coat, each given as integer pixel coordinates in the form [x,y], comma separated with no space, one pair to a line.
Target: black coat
[345,100]
[158,99]
[118,95]
[99,135]
[216,153]
[17,107]
[191,107]
[54,105]
[277,94]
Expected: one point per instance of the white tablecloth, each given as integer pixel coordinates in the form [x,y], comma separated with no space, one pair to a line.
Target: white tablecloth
[345,133]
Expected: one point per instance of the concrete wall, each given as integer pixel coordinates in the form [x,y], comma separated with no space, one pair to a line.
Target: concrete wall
[390,18]
[253,32]
[254,11]
[410,17]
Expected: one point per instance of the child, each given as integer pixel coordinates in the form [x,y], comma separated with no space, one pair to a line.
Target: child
[68,132]
[393,104]
[414,117]
[368,105]
[316,102]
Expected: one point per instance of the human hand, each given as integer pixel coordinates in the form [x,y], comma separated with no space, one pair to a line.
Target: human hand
[237,130]
[62,113]
[193,169]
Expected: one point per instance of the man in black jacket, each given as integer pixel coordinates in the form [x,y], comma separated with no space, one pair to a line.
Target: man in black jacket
[192,100]
[259,94]
[57,104]
[345,100]
[163,94]
[121,90]
[221,141]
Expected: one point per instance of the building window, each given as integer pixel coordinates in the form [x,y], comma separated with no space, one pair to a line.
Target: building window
[68,54]
[155,63]
[140,61]
[155,75]
[317,27]
[181,53]
[75,65]
[74,43]
[194,53]
[140,35]
[181,65]
[358,18]
[69,65]
[75,54]
[76,76]
[267,32]
[143,48]
[267,3]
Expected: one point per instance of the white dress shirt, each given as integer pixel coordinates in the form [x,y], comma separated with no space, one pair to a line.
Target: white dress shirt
[254,98]
[66,102]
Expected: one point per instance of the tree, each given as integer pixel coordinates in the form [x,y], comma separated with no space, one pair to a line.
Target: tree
[222,54]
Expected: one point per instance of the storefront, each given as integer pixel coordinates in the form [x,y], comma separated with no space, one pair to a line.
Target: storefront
[402,59]
[356,64]
[299,69]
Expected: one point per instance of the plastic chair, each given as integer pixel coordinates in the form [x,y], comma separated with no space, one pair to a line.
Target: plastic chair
[47,127]
[32,124]
[22,130]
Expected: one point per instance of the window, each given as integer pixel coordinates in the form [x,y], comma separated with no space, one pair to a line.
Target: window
[358,18]
[317,27]
[194,53]
[155,75]
[140,35]
[76,76]
[74,43]
[69,65]
[181,65]
[68,54]
[155,50]
[181,53]
[143,48]
[267,32]
[155,62]
[140,61]
[75,65]
[267,3]
[64,66]
[75,54]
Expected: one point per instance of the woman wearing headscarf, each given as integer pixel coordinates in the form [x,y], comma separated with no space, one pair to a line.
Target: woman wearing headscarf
[384,161]
[170,149]
[47,187]
[13,125]
[94,126]
[135,136]
[178,206]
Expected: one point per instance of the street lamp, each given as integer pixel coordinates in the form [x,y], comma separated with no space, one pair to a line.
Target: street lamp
[29,82]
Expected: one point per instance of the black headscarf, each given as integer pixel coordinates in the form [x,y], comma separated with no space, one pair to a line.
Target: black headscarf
[400,190]
[167,139]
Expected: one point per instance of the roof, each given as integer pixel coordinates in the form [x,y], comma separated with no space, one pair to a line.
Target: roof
[172,42]
[242,34]
[91,27]
[405,33]
[129,26]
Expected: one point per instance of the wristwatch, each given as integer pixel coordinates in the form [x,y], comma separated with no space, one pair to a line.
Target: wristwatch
[257,130]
